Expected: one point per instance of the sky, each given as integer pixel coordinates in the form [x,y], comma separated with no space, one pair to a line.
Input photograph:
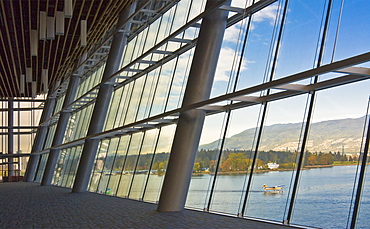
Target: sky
[297,53]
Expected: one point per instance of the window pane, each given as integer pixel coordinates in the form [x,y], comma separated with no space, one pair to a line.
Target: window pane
[130,163]
[154,185]
[276,159]
[334,138]
[143,164]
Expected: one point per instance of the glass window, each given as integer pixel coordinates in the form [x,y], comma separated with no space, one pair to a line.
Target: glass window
[107,167]
[276,157]
[178,84]
[118,164]
[162,88]
[130,164]
[143,164]
[334,139]
[159,164]
[206,162]
[301,37]
[257,52]
[99,164]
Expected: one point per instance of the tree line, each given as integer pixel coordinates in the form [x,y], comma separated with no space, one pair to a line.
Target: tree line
[207,161]
[241,160]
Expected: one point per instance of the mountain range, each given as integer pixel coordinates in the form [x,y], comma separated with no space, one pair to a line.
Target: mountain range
[325,136]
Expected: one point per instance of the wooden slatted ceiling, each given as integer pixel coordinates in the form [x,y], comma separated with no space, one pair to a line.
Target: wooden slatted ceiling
[19,17]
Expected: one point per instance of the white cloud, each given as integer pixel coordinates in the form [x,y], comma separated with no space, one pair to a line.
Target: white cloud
[267,14]
[225,64]
[232,34]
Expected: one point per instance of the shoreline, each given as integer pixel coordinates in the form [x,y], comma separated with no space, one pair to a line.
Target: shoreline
[272,170]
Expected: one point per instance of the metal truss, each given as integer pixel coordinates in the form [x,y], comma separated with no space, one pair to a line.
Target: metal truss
[119,80]
[287,88]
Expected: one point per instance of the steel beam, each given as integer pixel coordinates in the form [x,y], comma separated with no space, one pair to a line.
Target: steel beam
[60,131]
[10,136]
[39,140]
[102,104]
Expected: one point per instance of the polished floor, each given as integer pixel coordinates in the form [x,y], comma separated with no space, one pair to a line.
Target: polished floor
[29,205]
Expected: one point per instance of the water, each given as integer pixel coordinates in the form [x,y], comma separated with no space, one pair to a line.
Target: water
[323,199]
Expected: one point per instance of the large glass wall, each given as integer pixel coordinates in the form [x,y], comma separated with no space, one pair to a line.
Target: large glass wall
[132,165]
[41,167]
[91,80]
[162,88]
[321,130]
[286,152]
[66,167]
[78,124]
[17,137]
[335,138]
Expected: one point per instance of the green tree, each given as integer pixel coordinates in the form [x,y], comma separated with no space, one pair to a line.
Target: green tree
[197,167]
[312,160]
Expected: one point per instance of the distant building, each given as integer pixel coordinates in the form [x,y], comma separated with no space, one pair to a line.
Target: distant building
[272,165]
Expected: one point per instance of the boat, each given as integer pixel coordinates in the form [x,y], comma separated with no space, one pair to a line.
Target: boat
[273,189]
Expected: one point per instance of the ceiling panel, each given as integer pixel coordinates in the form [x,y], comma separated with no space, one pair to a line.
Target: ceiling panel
[18,18]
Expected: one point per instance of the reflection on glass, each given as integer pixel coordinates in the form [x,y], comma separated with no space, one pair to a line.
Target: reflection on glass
[41,168]
[118,165]
[162,88]
[130,163]
[57,178]
[74,166]
[143,164]
[113,108]
[68,177]
[98,167]
[134,100]
[159,164]
[67,163]
[147,95]
[125,103]
[107,167]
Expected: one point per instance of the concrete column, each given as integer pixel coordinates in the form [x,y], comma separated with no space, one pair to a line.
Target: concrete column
[39,139]
[190,124]
[10,137]
[60,131]
[102,104]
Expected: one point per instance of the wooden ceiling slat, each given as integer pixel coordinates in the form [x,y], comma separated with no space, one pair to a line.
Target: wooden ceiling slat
[24,64]
[5,91]
[55,51]
[105,22]
[76,26]
[10,66]
[19,63]
[64,70]
[18,17]
[37,62]
[28,54]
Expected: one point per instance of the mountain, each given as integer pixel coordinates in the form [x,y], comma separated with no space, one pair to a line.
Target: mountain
[324,136]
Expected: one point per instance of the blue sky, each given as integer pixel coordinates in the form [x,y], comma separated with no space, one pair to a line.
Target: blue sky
[297,53]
